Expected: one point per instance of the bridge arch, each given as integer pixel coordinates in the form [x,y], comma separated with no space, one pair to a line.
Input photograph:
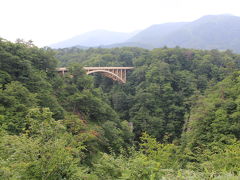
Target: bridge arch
[108,74]
[115,73]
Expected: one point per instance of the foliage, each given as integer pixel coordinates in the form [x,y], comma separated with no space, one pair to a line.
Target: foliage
[15,101]
[225,161]
[135,167]
[44,151]
[157,96]
[215,117]
[78,126]
[165,154]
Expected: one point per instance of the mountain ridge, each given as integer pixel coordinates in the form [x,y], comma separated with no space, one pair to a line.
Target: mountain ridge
[208,32]
[94,38]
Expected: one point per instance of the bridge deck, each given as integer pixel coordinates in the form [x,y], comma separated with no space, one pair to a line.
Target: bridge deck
[94,68]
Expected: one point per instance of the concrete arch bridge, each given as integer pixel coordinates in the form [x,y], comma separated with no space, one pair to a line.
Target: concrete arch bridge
[115,73]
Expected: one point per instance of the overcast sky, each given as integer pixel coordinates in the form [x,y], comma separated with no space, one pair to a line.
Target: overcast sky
[50,21]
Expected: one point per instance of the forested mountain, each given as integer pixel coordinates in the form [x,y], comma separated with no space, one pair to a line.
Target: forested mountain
[209,32]
[183,104]
[155,34]
[95,39]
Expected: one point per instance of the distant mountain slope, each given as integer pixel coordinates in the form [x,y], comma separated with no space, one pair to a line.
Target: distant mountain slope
[129,44]
[95,38]
[156,33]
[209,32]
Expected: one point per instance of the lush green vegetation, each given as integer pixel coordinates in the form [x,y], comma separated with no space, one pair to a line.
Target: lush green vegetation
[184,105]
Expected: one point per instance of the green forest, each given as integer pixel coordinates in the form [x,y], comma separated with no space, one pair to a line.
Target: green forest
[177,117]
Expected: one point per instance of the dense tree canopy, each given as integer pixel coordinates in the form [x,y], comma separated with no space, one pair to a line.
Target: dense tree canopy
[175,117]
